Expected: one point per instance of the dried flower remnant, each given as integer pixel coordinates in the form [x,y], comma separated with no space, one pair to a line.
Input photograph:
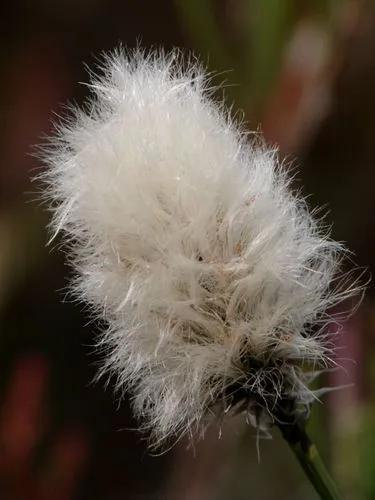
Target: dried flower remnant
[212,275]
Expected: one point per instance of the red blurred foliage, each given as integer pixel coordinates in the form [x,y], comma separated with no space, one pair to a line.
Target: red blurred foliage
[22,426]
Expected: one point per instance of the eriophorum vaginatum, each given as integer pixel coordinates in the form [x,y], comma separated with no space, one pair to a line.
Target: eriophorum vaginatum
[212,275]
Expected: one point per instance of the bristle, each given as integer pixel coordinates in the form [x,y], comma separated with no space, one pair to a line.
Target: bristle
[187,239]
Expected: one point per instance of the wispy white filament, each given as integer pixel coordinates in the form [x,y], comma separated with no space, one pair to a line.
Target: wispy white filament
[213,277]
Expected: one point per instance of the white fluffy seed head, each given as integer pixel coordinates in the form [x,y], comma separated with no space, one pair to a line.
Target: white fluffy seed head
[213,277]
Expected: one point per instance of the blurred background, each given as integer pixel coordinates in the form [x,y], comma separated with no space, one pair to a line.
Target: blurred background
[304,74]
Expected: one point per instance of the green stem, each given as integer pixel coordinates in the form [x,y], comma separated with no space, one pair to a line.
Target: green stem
[309,458]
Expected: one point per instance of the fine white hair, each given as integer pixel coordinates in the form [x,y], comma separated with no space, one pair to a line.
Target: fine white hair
[212,275]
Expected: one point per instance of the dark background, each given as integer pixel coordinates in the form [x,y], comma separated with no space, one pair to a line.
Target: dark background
[304,72]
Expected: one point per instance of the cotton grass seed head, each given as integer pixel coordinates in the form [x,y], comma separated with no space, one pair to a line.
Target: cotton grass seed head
[212,276]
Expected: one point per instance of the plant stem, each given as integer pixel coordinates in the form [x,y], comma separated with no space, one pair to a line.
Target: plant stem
[309,458]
